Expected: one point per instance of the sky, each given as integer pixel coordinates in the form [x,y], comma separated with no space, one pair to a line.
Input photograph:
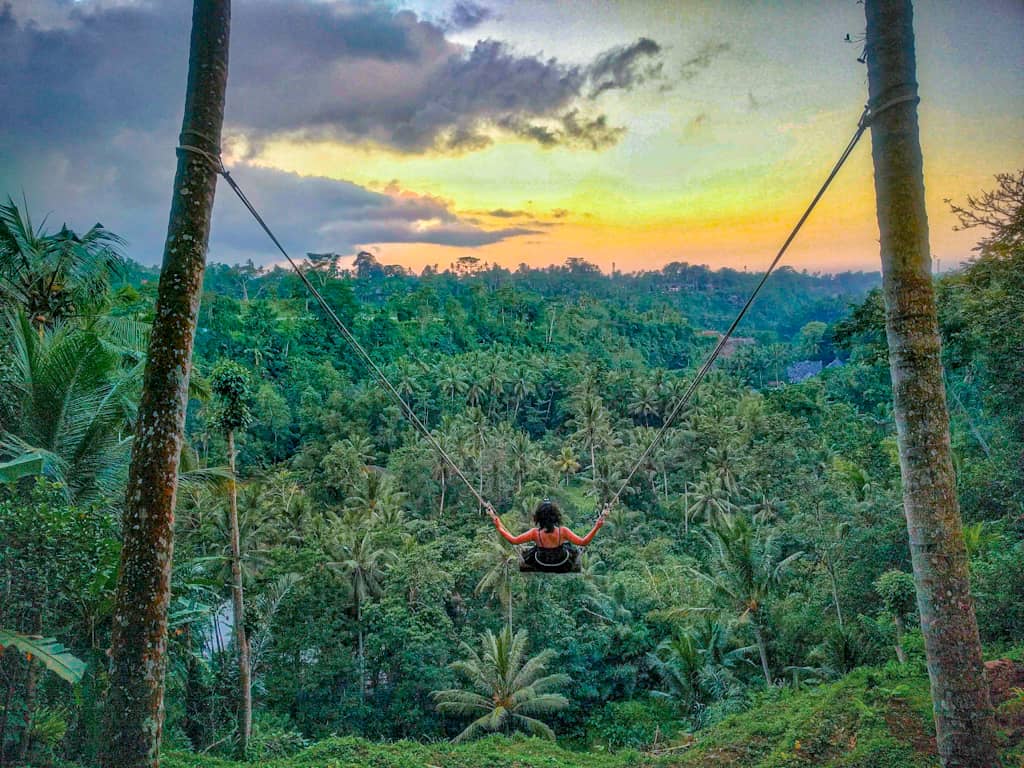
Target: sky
[630,134]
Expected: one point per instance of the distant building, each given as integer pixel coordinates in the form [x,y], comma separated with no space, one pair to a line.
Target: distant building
[802,370]
[806,369]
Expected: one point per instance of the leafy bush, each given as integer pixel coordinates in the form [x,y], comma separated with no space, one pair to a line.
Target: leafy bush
[272,737]
[635,723]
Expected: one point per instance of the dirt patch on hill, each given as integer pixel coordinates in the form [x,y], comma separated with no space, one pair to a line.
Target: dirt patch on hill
[907,726]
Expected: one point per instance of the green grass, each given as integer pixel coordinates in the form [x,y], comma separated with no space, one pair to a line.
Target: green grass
[492,752]
[873,718]
[870,719]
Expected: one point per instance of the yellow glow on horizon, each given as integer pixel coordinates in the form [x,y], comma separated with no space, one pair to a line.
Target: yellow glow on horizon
[711,196]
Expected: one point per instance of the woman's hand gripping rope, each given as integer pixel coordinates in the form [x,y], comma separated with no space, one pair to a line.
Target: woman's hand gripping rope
[491,513]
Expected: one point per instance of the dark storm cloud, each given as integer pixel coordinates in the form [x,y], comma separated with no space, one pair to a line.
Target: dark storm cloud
[702,60]
[93,94]
[626,66]
[316,70]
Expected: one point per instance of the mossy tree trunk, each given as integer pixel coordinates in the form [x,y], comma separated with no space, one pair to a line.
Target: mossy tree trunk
[963,711]
[134,717]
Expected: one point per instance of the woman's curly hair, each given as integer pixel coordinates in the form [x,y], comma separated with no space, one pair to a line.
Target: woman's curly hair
[547,515]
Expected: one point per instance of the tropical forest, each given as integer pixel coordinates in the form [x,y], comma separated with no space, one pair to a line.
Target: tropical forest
[287,506]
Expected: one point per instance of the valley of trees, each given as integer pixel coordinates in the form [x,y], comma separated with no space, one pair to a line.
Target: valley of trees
[332,577]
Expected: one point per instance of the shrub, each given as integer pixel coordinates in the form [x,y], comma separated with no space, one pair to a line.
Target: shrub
[635,723]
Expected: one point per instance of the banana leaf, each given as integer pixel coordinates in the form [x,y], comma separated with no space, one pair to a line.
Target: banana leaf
[46,650]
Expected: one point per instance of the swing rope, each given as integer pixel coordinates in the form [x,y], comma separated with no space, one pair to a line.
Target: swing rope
[215,160]
[862,125]
[410,414]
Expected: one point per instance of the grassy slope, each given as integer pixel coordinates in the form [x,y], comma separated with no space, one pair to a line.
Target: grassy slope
[869,719]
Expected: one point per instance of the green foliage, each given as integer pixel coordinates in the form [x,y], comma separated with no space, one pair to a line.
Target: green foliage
[637,723]
[24,466]
[508,689]
[47,651]
[897,591]
[229,382]
[52,277]
[70,401]
[757,530]
[873,718]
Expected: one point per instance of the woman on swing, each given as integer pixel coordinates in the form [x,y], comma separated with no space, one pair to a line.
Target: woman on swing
[552,550]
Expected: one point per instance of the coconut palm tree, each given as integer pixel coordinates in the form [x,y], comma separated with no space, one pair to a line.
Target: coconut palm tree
[644,403]
[697,666]
[494,384]
[506,690]
[70,402]
[452,381]
[358,557]
[501,563]
[743,571]
[292,510]
[523,385]
[374,498]
[709,499]
[522,453]
[54,277]
[230,384]
[566,463]
[440,470]
[723,462]
[592,425]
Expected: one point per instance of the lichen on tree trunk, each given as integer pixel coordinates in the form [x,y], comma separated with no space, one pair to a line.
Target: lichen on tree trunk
[963,712]
[134,707]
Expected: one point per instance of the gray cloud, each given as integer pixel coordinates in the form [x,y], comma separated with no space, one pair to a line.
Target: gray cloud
[309,70]
[703,59]
[504,213]
[92,98]
[318,214]
[467,14]
[626,66]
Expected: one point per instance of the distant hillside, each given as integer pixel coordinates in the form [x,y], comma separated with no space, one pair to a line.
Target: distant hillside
[707,298]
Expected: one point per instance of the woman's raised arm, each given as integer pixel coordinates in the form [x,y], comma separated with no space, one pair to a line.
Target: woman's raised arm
[530,535]
[582,541]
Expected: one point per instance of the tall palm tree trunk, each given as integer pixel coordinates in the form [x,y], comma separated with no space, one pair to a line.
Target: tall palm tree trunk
[444,488]
[963,710]
[901,655]
[362,650]
[830,568]
[510,605]
[762,650]
[139,639]
[238,609]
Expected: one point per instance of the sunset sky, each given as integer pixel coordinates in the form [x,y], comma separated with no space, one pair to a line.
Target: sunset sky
[634,133]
